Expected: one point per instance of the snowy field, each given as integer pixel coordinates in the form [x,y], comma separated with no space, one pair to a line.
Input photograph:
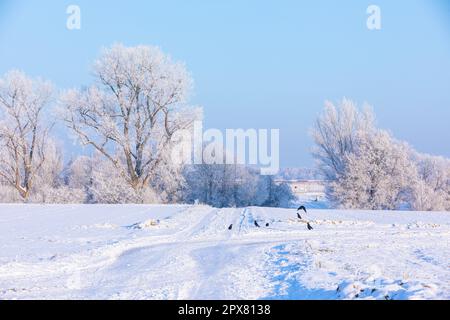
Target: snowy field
[187,252]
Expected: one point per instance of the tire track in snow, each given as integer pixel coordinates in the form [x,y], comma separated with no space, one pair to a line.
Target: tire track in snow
[111,279]
[220,263]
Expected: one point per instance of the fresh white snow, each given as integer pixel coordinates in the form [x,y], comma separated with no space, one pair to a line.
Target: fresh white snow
[187,252]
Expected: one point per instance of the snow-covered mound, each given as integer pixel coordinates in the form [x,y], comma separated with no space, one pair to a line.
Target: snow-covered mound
[190,252]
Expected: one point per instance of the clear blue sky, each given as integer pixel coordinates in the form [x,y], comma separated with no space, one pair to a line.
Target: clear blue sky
[261,64]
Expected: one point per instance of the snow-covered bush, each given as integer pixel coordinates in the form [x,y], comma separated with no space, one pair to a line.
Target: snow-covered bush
[58,195]
[51,180]
[109,186]
[8,194]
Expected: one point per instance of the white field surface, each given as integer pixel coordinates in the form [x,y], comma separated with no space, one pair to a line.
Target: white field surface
[116,252]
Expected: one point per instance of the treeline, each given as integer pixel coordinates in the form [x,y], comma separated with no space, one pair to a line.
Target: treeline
[127,120]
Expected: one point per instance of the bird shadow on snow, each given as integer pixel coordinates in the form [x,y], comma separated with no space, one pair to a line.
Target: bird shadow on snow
[287,286]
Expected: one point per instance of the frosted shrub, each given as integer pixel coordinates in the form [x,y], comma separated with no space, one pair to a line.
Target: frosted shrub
[109,186]
[58,195]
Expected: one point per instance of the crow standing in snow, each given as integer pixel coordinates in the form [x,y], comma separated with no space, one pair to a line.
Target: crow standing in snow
[230,227]
[256,224]
[309,226]
[267,224]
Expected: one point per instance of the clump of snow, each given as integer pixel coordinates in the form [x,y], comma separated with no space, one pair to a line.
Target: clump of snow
[386,289]
[150,223]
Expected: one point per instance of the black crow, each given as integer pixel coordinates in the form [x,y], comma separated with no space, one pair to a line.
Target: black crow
[299,216]
[230,227]
[309,226]
[267,224]
[301,208]
[256,224]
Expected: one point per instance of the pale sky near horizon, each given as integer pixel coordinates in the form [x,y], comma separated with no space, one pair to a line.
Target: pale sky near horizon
[260,64]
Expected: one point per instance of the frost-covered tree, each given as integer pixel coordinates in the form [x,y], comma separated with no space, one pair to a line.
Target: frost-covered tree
[276,194]
[50,184]
[30,161]
[378,174]
[366,167]
[212,184]
[24,141]
[334,135]
[48,177]
[133,112]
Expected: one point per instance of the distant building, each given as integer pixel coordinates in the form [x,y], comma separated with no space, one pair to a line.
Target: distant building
[305,187]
